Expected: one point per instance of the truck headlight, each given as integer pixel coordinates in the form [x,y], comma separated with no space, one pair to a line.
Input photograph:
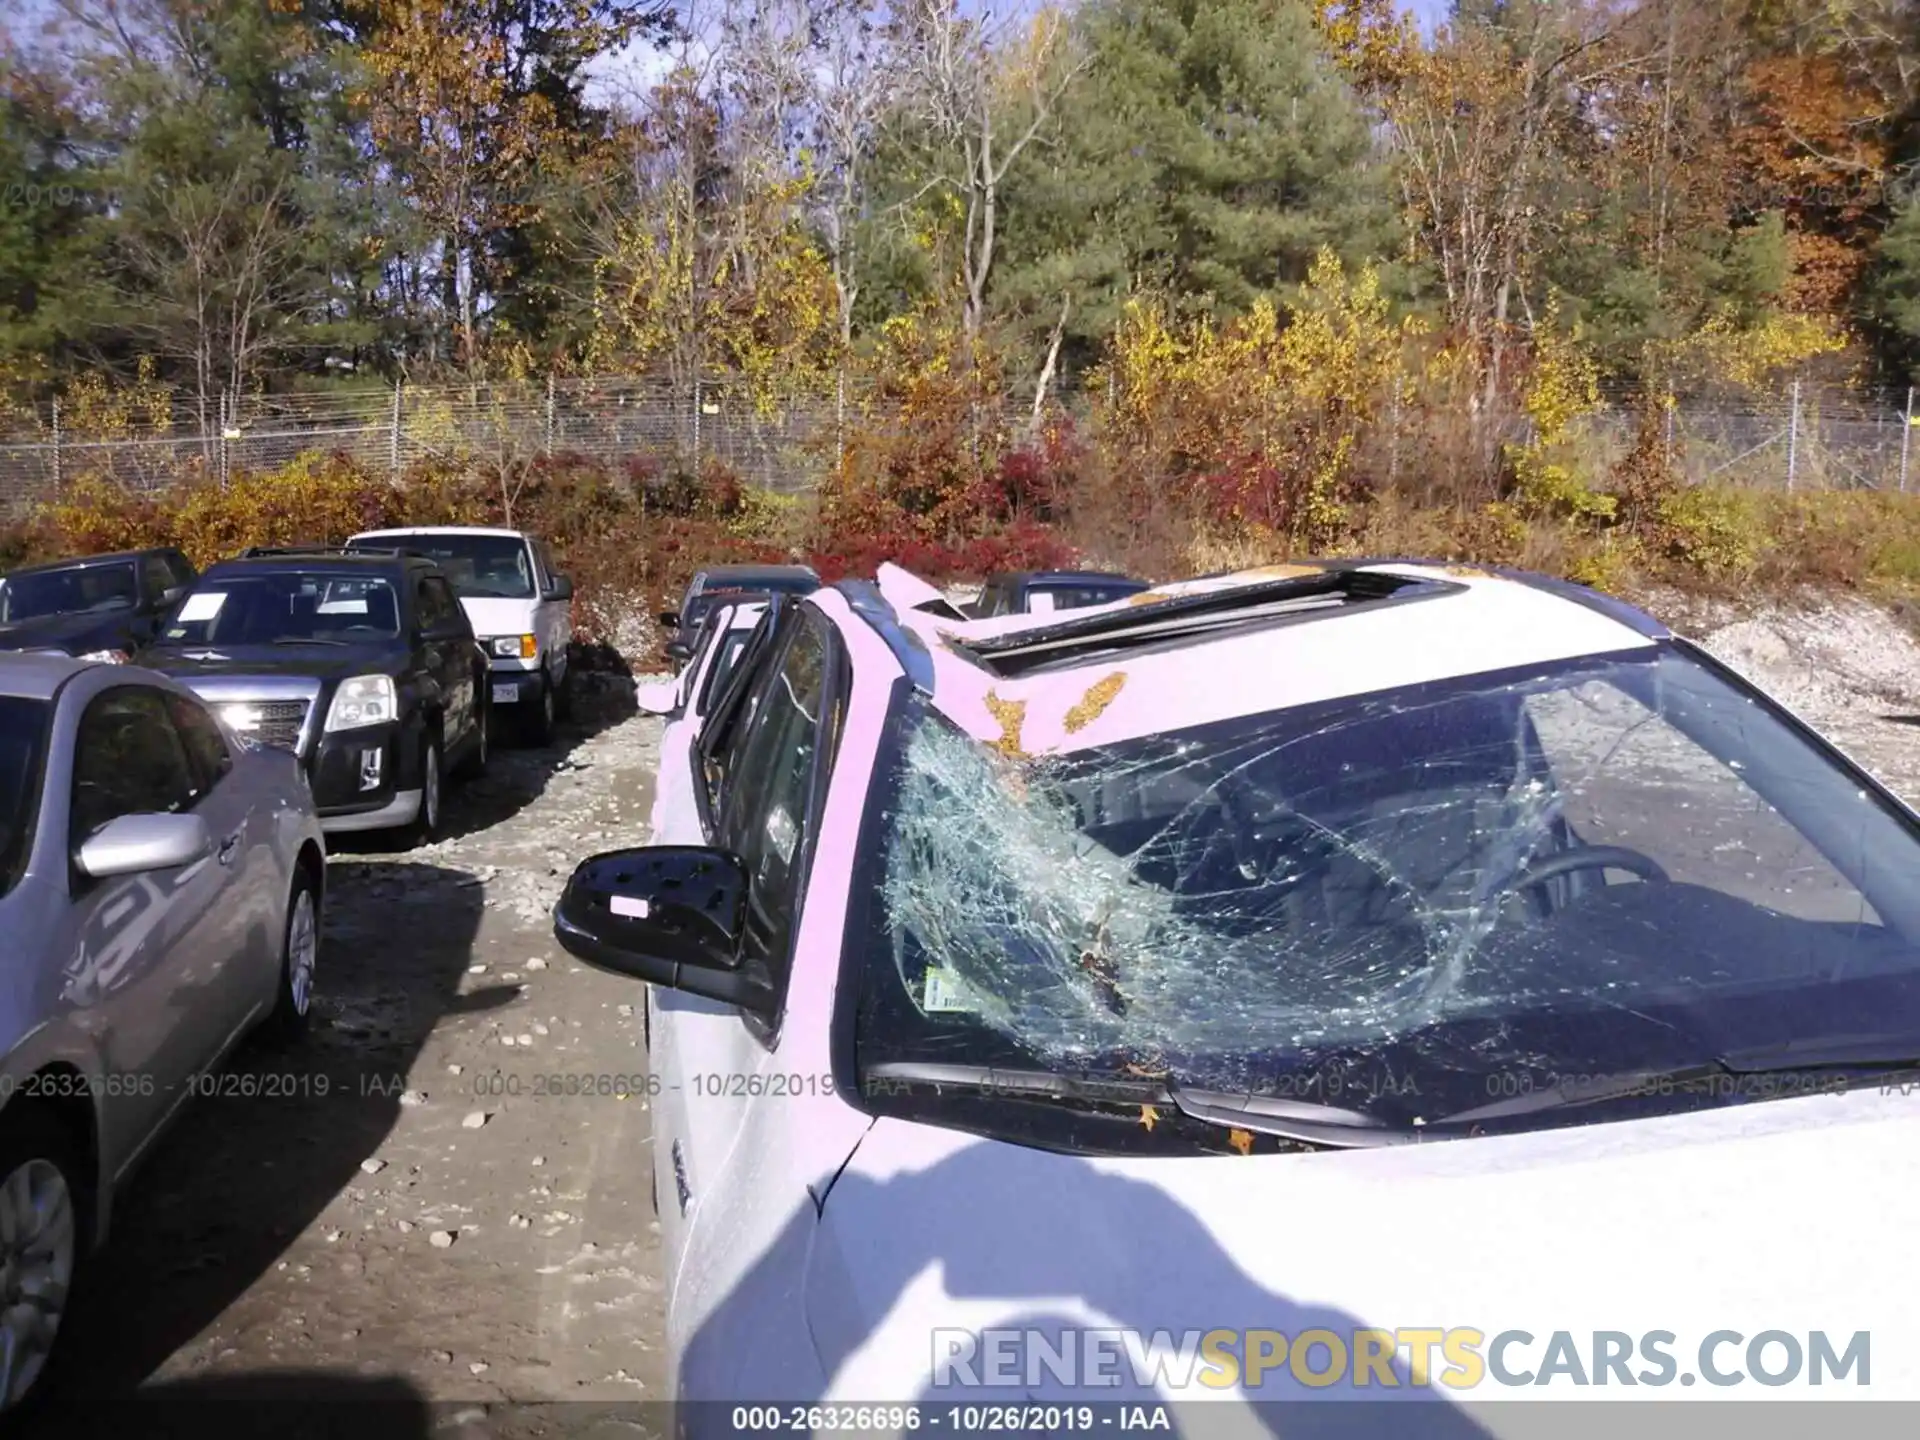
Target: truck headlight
[361,701]
[514,647]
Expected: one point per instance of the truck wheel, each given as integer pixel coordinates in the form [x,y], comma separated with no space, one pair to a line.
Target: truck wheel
[539,716]
[563,696]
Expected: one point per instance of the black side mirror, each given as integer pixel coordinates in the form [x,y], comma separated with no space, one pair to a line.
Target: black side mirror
[679,650]
[561,588]
[670,619]
[671,915]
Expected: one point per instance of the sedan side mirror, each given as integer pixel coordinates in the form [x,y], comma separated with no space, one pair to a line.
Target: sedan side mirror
[672,915]
[561,588]
[670,619]
[136,844]
[679,650]
[658,697]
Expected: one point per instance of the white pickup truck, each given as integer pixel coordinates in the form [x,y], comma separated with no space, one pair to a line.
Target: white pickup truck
[520,606]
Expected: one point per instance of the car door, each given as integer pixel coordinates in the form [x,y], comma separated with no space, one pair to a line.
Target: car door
[768,770]
[445,649]
[145,944]
[242,832]
[555,617]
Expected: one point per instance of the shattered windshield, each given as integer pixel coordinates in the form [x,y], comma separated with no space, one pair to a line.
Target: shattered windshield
[1617,862]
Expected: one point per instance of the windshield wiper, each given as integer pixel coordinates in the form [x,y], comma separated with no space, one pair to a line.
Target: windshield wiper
[1877,1053]
[1288,1119]
[308,640]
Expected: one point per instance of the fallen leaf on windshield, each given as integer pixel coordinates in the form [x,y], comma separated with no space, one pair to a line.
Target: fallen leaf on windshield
[1241,1140]
[1098,697]
[1149,1116]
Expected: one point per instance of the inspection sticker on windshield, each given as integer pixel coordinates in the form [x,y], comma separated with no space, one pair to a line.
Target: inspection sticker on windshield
[947,994]
[201,606]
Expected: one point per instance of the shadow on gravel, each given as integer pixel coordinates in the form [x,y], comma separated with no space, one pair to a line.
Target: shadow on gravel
[518,772]
[281,1405]
[271,1141]
[1902,719]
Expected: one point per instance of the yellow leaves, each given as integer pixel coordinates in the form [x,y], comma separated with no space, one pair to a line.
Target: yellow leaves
[1291,393]
[1149,1117]
[1755,355]
[1093,704]
[1011,716]
[1562,391]
[1241,1140]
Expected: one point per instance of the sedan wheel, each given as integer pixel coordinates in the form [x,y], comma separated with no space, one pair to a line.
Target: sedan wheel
[40,1249]
[300,957]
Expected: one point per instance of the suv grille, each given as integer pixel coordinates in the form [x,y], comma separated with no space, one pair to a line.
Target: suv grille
[278,722]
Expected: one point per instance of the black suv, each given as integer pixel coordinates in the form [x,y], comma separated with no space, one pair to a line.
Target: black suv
[103,607]
[361,662]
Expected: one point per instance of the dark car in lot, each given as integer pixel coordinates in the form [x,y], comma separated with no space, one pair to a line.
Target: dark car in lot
[95,607]
[361,662]
[1027,591]
[730,582]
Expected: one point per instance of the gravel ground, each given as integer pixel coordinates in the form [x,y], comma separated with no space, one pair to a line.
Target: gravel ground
[398,1211]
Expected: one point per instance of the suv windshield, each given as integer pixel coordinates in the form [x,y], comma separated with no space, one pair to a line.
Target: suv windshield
[1417,901]
[488,567]
[81,590]
[23,729]
[1077,597]
[286,608]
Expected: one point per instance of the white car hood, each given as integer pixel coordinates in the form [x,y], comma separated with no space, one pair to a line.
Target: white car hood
[499,617]
[1784,1215]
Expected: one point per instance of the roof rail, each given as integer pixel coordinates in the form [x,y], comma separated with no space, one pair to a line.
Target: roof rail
[1181,616]
[863,597]
[265,552]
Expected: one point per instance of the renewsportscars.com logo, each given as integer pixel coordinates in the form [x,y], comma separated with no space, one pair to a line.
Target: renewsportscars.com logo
[1458,1358]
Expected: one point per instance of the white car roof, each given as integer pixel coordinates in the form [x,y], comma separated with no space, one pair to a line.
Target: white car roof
[442,530]
[1474,621]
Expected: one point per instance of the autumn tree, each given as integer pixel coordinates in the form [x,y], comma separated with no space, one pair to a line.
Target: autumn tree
[979,90]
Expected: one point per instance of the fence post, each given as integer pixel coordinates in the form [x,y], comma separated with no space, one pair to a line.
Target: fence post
[549,414]
[57,479]
[1907,434]
[1793,437]
[393,435]
[698,405]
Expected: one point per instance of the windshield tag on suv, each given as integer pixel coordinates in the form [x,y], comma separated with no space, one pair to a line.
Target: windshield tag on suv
[946,994]
[203,606]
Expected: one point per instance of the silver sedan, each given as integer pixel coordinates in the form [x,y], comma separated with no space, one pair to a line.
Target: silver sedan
[160,889]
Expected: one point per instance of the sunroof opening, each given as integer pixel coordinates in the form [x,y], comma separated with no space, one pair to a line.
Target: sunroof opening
[1177,619]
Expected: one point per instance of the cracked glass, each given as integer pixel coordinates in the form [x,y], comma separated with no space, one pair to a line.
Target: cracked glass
[1620,861]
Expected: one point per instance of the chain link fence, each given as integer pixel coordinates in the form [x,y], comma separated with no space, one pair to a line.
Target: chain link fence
[778,442]
[1797,438]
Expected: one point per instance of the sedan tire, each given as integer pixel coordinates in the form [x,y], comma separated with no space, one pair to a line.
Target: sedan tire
[43,1214]
[299,959]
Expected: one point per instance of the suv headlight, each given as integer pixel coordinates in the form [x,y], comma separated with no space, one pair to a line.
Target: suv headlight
[513,647]
[361,701]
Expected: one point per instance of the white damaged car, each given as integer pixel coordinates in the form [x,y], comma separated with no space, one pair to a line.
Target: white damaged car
[1345,982]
